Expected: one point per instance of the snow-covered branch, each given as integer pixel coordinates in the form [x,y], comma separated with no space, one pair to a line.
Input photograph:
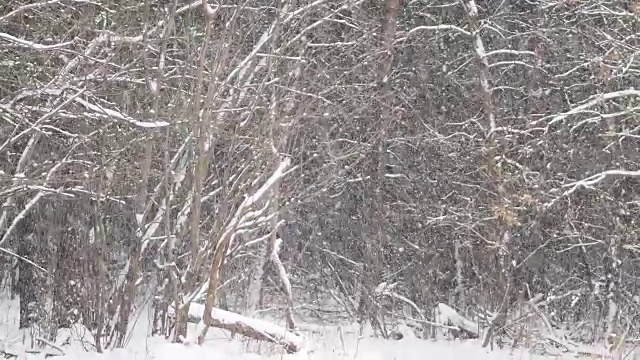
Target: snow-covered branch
[21,216]
[22,8]
[22,258]
[97,110]
[31,44]
[591,181]
[443,27]
[589,103]
[114,114]
[594,179]
[252,328]
[509,52]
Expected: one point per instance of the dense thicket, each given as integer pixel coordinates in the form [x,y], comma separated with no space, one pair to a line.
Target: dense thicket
[474,154]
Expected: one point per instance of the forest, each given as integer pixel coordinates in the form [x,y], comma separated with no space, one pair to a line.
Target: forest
[471,166]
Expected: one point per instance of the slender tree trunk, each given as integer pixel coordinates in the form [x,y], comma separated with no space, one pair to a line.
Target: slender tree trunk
[128,292]
[52,263]
[254,299]
[274,258]
[612,263]
[27,288]
[167,281]
[200,129]
[460,288]
[374,257]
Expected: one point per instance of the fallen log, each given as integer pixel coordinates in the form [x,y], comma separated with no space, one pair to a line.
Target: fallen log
[448,316]
[252,328]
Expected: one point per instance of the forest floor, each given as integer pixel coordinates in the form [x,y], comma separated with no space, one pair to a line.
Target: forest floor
[325,342]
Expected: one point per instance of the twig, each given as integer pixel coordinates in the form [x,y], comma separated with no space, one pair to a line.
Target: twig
[11,253]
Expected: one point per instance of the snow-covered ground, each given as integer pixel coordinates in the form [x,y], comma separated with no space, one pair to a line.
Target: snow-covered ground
[323,343]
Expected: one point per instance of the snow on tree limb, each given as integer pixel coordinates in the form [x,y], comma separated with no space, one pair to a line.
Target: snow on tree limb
[31,44]
[439,27]
[594,179]
[509,52]
[43,118]
[277,175]
[13,254]
[590,181]
[446,314]
[24,8]
[249,327]
[41,191]
[590,102]
[118,115]
[98,110]
[19,10]
[20,216]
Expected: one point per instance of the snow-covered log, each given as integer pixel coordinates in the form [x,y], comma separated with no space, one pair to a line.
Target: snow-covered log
[448,316]
[252,328]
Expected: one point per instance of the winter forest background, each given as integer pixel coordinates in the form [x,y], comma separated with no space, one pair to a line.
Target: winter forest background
[358,160]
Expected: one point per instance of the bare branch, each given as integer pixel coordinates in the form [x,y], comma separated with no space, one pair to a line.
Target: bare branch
[592,101]
[592,180]
[31,44]
[439,28]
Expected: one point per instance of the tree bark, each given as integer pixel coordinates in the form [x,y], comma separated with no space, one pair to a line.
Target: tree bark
[27,287]
[374,256]
[460,289]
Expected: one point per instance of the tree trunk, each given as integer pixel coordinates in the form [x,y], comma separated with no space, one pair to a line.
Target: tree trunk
[611,266]
[460,290]
[254,297]
[28,288]
[374,257]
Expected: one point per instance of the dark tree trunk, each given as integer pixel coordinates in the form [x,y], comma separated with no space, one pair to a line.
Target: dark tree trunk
[26,284]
